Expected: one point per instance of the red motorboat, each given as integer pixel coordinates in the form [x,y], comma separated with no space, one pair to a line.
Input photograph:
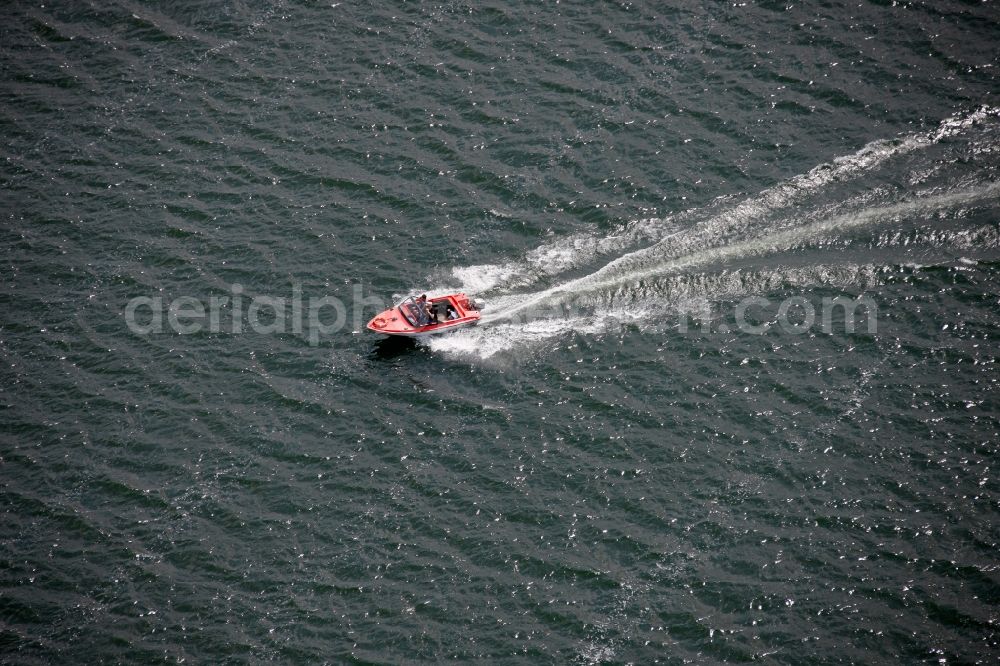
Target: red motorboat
[416,318]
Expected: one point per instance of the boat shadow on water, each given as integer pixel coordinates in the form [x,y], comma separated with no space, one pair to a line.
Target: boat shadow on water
[392,347]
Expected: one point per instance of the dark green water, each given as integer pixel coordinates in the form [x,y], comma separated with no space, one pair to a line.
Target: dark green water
[587,477]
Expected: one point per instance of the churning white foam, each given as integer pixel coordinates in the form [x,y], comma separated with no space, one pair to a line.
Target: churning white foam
[660,306]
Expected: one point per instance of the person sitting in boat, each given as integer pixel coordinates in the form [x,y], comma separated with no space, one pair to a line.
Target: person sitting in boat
[428,310]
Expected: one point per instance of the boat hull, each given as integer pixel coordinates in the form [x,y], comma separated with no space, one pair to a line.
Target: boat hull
[397,321]
[438,330]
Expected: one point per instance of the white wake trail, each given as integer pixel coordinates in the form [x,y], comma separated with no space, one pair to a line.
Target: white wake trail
[643,264]
[729,223]
[788,236]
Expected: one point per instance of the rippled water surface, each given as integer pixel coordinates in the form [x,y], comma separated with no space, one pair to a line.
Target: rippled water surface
[607,469]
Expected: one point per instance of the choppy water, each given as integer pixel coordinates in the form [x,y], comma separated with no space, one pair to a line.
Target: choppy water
[586,477]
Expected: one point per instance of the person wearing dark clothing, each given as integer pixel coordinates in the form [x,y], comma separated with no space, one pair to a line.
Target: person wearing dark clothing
[428,310]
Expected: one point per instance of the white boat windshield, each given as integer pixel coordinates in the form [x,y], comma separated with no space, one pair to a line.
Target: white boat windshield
[413,312]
